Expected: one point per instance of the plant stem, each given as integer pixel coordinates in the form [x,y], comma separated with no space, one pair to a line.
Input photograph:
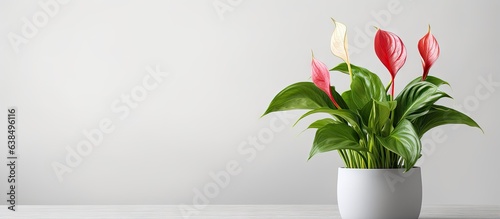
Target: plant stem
[388,86]
[349,67]
[392,90]
[343,156]
[335,103]
[353,157]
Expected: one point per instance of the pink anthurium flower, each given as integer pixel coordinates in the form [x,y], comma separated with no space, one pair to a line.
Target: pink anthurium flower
[391,51]
[321,78]
[429,50]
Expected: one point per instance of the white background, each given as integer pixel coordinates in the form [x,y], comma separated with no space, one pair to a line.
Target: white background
[225,65]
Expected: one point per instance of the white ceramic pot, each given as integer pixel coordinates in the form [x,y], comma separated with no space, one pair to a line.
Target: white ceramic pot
[379,193]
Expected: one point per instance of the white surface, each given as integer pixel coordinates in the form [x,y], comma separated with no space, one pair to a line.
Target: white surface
[225,72]
[231,212]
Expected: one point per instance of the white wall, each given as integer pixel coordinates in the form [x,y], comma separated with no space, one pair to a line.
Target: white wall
[222,70]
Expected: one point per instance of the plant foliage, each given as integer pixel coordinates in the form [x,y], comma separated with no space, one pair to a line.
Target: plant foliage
[367,126]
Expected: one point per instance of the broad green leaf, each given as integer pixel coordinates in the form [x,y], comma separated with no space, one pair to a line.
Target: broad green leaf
[347,96]
[364,113]
[441,115]
[322,122]
[338,98]
[386,129]
[366,86]
[375,115]
[405,142]
[301,95]
[379,114]
[335,137]
[345,114]
[431,79]
[342,67]
[415,100]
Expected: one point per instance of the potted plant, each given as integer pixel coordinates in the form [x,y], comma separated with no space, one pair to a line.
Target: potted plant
[376,133]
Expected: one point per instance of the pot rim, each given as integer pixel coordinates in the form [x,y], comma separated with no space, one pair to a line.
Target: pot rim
[362,169]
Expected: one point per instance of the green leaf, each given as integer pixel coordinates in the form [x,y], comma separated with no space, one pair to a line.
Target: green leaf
[345,114]
[364,113]
[322,122]
[347,96]
[342,67]
[335,137]
[366,86]
[405,142]
[431,79]
[375,115]
[338,98]
[441,115]
[415,100]
[301,95]
[380,113]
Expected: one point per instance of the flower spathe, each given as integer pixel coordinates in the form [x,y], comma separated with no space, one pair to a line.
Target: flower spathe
[339,44]
[429,51]
[391,51]
[321,78]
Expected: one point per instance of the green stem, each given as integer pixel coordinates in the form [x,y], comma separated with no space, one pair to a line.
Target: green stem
[349,68]
[346,159]
[388,86]
[392,90]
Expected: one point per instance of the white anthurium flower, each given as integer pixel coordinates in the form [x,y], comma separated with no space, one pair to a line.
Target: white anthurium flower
[339,44]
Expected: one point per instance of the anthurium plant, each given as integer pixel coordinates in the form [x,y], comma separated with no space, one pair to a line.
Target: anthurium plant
[369,125]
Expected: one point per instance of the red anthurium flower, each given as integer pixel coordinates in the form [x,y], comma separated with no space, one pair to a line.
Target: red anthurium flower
[321,78]
[429,50]
[391,51]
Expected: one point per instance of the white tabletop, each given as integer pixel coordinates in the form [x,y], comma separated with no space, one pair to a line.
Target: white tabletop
[226,212]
